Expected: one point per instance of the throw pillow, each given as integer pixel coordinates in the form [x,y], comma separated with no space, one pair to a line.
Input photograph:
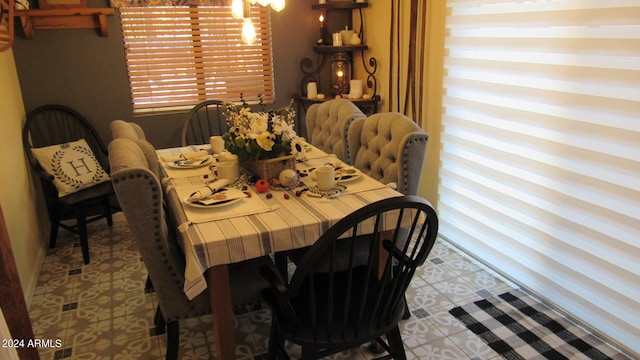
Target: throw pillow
[73,166]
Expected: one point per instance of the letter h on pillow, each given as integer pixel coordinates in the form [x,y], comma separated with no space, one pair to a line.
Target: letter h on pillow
[73,166]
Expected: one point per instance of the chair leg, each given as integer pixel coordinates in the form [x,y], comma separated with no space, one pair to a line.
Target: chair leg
[282,266]
[407,312]
[158,320]
[395,342]
[53,233]
[106,208]
[173,340]
[276,344]
[309,353]
[81,219]
[148,286]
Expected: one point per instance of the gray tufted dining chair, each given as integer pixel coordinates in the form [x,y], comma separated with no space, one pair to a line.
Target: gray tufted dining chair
[327,125]
[126,129]
[133,131]
[140,192]
[389,147]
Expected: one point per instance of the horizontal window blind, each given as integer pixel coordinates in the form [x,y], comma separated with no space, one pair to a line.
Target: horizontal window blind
[540,161]
[179,56]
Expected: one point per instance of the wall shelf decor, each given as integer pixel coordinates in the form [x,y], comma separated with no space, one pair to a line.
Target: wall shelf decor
[6,24]
[64,18]
[337,49]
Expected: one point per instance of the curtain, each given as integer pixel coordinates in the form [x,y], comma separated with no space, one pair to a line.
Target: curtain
[407,58]
[540,151]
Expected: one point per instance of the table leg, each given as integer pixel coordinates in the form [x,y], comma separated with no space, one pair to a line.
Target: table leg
[220,294]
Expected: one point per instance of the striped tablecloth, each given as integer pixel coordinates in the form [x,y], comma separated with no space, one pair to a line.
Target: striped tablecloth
[287,223]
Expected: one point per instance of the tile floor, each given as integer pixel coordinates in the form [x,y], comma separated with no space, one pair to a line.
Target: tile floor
[100,310]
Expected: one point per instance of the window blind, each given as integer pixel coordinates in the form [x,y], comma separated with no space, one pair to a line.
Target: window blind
[540,161]
[179,56]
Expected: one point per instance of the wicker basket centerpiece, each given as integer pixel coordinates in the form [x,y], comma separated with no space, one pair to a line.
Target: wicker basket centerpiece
[270,168]
[264,141]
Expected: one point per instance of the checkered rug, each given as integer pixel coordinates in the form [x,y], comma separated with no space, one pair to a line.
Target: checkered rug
[517,326]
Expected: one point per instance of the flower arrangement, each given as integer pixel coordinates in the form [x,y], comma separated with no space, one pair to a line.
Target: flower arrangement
[266,134]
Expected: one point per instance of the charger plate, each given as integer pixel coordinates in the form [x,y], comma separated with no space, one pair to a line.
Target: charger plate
[338,189]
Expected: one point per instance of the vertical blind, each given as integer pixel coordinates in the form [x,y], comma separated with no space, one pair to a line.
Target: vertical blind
[179,56]
[540,161]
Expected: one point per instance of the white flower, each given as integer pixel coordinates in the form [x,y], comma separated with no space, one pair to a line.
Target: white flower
[297,148]
[258,123]
[265,141]
[287,131]
[263,131]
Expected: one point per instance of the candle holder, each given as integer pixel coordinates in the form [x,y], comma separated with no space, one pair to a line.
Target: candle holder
[325,37]
[340,73]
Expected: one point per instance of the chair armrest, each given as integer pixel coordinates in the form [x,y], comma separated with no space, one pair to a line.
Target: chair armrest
[37,169]
[397,254]
[278,292]
[272,275]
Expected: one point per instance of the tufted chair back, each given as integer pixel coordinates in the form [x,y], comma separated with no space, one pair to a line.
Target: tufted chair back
[129,130]
[328,123]
[133,131]
[389,147]
[139,191]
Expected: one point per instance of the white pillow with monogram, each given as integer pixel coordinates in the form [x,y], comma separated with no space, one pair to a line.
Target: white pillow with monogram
[73,166]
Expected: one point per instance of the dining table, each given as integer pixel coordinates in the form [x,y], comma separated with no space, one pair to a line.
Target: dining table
[258,224]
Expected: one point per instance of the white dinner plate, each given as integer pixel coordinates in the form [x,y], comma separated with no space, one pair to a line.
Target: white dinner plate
[219,204]
[190,164]
[348,174]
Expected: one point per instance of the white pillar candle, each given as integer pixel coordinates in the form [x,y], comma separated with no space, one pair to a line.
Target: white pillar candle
[217,144]
[337,39]
[312,90]
[355,89]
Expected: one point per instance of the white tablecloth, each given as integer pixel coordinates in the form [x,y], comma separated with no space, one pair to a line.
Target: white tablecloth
[278,223]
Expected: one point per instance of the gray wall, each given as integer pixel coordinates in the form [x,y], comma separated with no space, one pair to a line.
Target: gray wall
[80,69]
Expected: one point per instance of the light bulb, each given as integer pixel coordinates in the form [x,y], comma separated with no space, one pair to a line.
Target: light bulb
[264,2]
[237,9]
[248,31]
[277,5]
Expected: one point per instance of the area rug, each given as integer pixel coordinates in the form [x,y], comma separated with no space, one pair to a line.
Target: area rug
[517,326]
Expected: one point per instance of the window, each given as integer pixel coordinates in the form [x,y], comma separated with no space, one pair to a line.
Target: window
[540,152]
[178,56]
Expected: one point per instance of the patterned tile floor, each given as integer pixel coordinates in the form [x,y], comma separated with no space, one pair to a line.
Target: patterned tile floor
[100,310]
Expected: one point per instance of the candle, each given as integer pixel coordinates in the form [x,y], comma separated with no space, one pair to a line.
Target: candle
[321,20]
[340,74]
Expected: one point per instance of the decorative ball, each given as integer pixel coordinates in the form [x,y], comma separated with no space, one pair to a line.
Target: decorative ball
[288,177]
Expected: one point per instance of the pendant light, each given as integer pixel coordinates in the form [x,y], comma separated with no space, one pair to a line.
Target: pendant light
[248,31]
[241,9]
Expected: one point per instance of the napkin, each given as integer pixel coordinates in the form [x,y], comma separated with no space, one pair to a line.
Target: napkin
[208,190]
[189,156]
